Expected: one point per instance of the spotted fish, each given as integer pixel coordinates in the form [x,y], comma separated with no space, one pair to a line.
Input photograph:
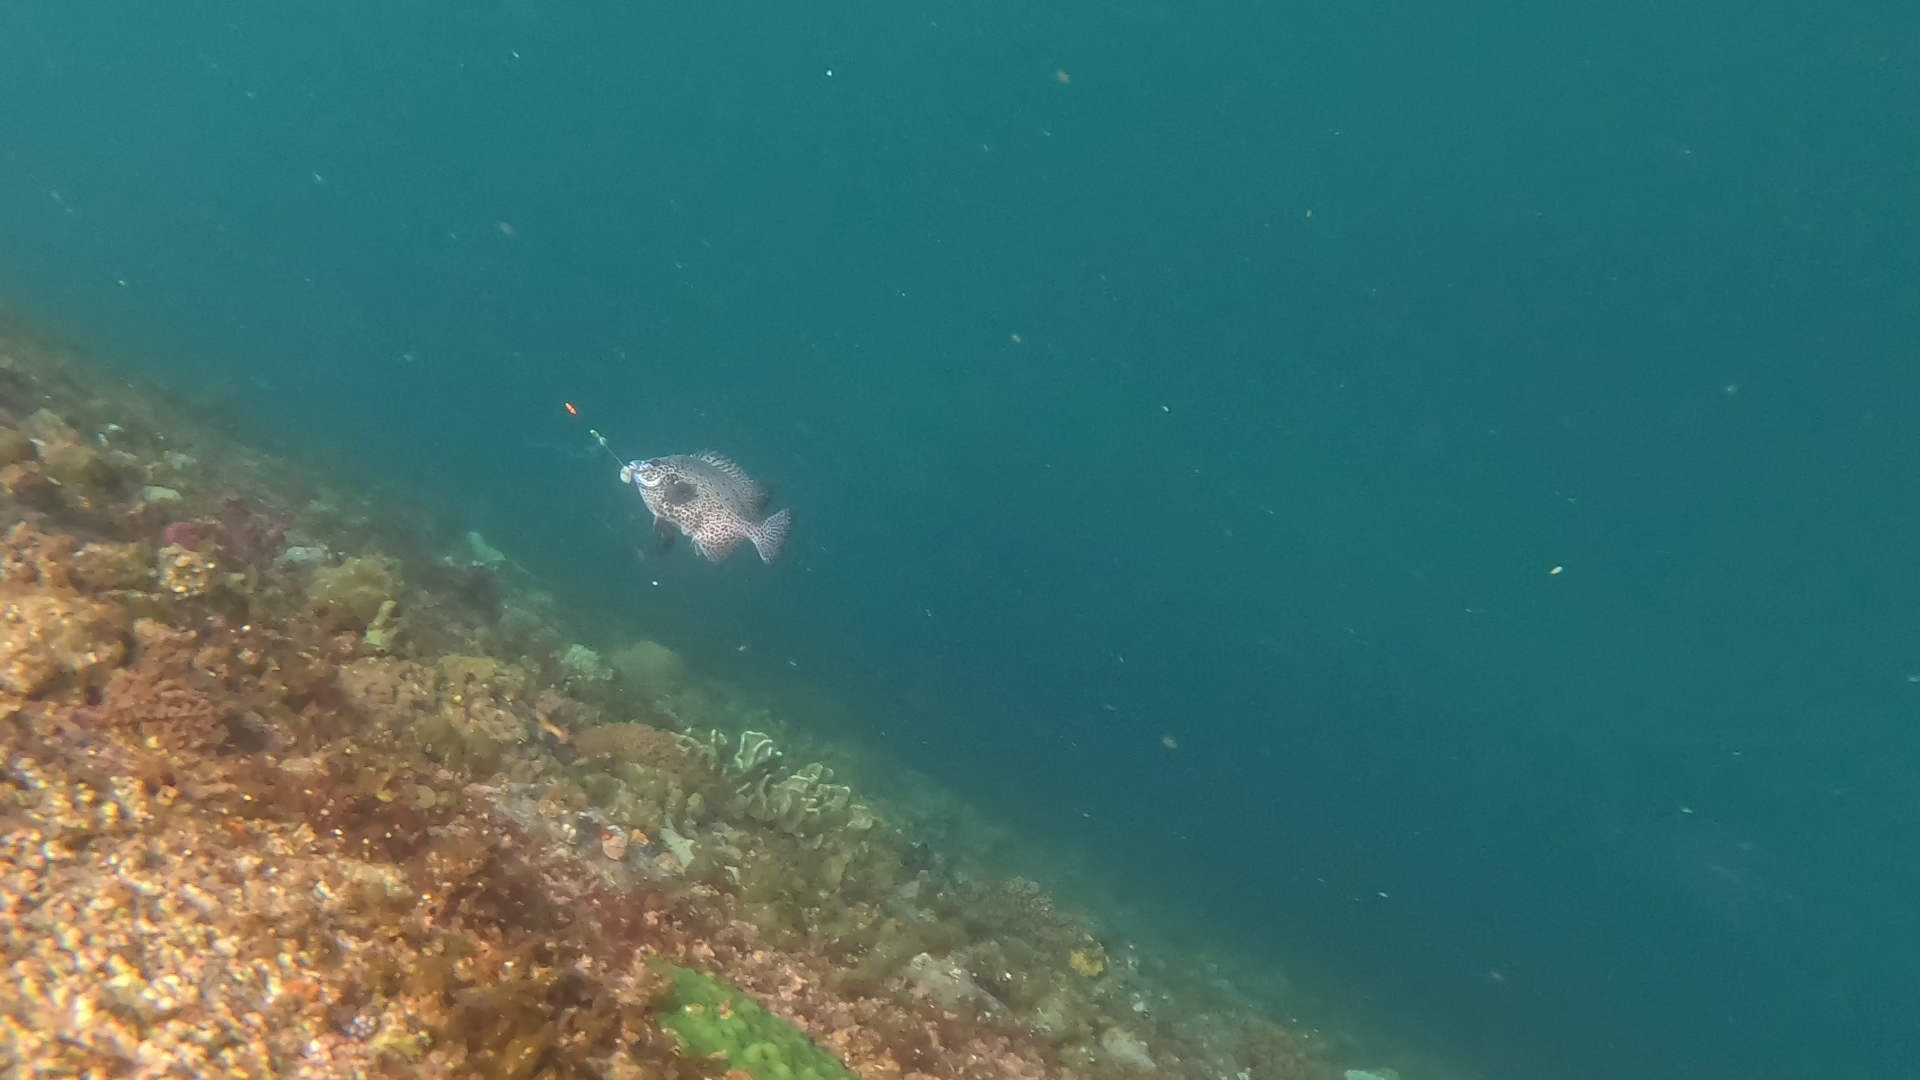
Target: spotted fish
[710,501]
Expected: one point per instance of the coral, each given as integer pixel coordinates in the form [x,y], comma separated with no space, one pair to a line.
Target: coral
[1055,1018]
[481,553]
[483,675]
[1088,962]
[303,555]
[946,984]
[398,691]
[581,666]
[81,471]
[15,446]
[348,596]
[485,725]
[186,573]
[104,566]
[47,636]
[558,711]
[458,712]
[806,801]
[384,630]
[648,670]
[31,557]
[635,743]
[1126,1050]
[161,698]
[756,749]
[245,537]
[87,476]
[186,534]
[520,631]
[240,846]
[712,1018]
[46,426]
[646,779]
[26,483]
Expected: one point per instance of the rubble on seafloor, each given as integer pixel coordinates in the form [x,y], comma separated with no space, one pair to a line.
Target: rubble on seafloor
[289,792]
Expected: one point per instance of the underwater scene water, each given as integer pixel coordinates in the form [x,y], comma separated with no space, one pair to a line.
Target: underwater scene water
[1327,541]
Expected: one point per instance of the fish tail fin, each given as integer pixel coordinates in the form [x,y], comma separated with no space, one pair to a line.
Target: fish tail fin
[771,535]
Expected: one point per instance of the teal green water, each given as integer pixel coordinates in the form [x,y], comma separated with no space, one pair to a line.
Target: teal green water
[1246,385]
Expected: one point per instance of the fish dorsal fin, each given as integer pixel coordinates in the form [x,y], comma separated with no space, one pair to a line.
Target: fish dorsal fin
[723,463]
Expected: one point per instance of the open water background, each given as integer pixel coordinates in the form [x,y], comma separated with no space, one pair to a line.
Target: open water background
[1235,373]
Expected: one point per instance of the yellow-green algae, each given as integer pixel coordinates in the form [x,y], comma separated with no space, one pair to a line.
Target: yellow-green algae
[711,1017]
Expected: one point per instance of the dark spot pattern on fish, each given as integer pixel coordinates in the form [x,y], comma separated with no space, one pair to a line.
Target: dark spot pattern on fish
[711,501]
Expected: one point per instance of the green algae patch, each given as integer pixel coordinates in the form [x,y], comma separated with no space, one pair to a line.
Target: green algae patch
[710,1017]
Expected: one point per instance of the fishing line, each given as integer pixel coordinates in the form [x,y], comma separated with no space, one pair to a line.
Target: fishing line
[572,410]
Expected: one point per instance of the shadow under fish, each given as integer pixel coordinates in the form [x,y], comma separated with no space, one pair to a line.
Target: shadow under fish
[711,501]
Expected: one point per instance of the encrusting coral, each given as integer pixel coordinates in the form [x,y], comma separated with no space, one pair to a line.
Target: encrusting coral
[350,596]
[249,828]
[48,636]
[649,670]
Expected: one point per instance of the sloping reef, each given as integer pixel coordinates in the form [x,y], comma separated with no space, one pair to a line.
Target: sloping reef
[292,785]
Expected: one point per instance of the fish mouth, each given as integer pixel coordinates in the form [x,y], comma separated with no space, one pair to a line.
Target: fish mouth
[637,473]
